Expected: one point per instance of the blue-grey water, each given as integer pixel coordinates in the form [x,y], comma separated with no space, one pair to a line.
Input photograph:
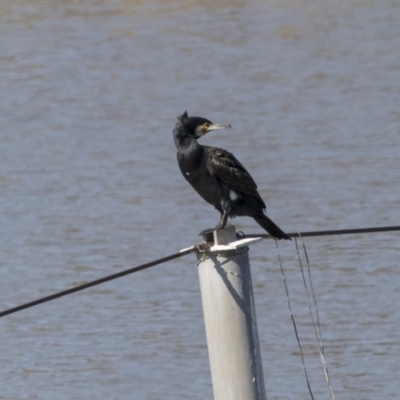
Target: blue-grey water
[89,95]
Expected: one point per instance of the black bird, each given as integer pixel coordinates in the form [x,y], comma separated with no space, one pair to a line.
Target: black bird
[218,177]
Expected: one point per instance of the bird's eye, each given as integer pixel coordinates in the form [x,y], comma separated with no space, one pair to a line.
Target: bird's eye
[205,127]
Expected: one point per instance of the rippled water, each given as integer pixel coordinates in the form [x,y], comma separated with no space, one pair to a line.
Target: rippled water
[90,186]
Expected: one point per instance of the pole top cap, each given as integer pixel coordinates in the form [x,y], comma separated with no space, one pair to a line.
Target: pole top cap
[225,239]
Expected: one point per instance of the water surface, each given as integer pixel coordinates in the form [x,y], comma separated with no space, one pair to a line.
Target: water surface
[89,186]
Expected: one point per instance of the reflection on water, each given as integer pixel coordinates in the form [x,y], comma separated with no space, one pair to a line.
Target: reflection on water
[90,186]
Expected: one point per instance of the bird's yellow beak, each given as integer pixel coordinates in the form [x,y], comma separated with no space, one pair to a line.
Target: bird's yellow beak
[213,127]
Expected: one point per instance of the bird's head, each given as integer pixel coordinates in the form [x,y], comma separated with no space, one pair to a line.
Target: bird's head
[196,127]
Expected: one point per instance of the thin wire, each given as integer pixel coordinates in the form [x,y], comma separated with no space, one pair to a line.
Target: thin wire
[316,308]
[331,232]
[317,329]
[98,281]
[293,321]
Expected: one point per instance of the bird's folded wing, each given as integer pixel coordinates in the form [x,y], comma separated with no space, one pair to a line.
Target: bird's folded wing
[224,166]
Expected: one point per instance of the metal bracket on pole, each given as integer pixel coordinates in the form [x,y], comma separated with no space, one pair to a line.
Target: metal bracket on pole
[237,244]
[230,318]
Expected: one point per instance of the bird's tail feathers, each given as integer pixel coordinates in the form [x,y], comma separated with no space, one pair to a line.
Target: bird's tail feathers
[271,227]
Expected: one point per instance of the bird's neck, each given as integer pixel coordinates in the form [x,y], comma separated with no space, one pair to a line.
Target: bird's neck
[188,144]
[190,155]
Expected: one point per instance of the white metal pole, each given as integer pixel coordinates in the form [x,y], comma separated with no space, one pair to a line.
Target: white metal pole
[230,318]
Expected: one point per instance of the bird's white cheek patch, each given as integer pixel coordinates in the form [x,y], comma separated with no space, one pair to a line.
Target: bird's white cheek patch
[232,195]
[187,173]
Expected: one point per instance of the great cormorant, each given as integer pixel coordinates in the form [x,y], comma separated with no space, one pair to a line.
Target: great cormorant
[218,177]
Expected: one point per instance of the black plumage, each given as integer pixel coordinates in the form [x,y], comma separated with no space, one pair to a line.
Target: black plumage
[218,177]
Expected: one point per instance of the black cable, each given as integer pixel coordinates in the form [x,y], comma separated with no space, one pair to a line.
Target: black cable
[331,232]
[98,281]
[180,254]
